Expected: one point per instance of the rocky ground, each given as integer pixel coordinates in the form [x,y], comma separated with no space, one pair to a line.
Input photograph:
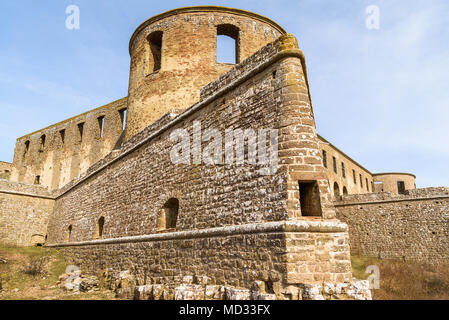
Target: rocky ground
[43,274]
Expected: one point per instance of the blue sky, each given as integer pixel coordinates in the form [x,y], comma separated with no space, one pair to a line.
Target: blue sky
[382,96]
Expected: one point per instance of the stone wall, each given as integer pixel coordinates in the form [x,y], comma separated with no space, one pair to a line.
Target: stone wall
[64,154]
[188,57]
[5,170]
[354,180]
[24,214]
[414,226]
[232,219]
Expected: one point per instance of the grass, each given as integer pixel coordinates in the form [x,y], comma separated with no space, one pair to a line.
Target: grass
[31,273]
[398,280]
[401,280]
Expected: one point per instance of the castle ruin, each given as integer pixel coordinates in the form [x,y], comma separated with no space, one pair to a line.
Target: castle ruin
[102,186]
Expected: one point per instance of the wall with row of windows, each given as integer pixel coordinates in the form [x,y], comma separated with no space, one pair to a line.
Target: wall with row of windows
[54,156]
[345,175]
[167,220]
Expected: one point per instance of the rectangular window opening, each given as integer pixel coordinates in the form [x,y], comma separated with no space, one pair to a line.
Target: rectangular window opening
[354,176]
[325,158]
[334,160]
[155,42]
[361,181]
[101,125]
[123,113]
[343,170]
[309,197]
[37,180]
[62,135]
[81,131]
[401,187]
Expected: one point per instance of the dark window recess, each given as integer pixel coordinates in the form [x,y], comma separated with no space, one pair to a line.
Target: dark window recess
[325,158]
[37,180]
[336,191]
[401,187]
[42,142]
[122,113]
[81,130]
[169,214]
[361,181]
[62,135]
[27,147]
[343,170]
[101,125]
[155,42]
[334,160]
[367,184]
[69,234]
[354,176]
[309,197]
[228,48]
[100,227]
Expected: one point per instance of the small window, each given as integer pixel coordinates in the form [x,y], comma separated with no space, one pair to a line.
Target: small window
[361,181]
[100,227]
[27,147]
[62,135]
[343,171]
[354,176]
[334,160]
[325,158]
[367,184]
[42,143]
[37,180]
[345,191]
[68,236]
[228,49]
[401,187]
[101,125]
[336,191]
[81,131]
[169,215]
[122,113]
[309,197]
[155,42]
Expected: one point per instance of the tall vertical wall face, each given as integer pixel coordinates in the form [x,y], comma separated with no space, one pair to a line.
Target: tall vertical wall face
[188,57]
[64,154]
[24,214]
[235,225]
[413,226]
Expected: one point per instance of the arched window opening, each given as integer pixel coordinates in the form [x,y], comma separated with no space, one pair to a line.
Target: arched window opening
[169,215]
[336,191]
[345,191]
[68,237]
[228,44]
[155,42]
[100,228]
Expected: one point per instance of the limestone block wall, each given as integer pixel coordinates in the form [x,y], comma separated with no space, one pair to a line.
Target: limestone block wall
[388,182]
[24,214]
[348,176]
[187,50]
[54,156]
[414,226]
[5,170]
[230,215]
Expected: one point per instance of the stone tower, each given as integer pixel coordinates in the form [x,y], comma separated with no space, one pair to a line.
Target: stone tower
[173,55]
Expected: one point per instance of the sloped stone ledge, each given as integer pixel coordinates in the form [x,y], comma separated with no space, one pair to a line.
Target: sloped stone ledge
[331,226]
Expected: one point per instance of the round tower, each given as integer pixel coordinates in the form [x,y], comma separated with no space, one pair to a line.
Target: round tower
[174,54]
